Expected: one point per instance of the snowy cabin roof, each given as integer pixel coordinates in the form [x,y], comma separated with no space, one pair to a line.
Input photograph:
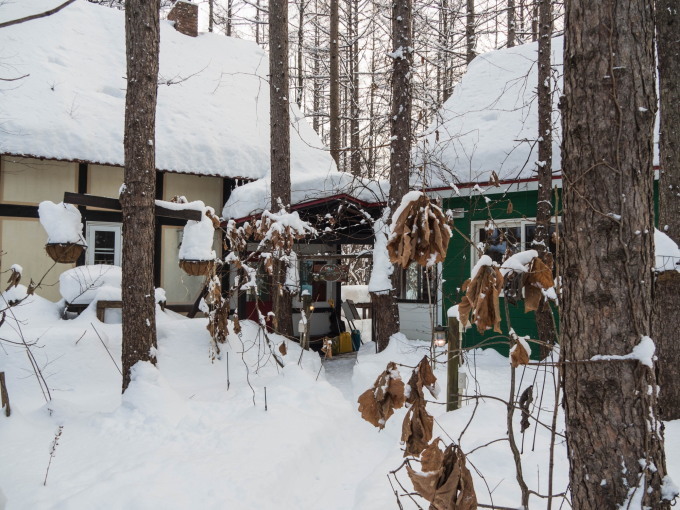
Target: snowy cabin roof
[490,122]
[254,197]
[213,97]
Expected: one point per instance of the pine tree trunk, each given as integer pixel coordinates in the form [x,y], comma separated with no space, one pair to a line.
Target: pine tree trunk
[280,147]
[355,142]
[334,83]
[227,30]
[316,98]
[142,37]
[667,285]
[614,438]
[511,23]
[544,319]
[300,77]
[385,308]
[470,31]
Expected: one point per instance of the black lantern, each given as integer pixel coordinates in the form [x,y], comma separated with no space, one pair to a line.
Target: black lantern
[439,336]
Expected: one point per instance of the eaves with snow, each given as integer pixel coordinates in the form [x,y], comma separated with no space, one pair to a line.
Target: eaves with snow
[490,122]
[213,98]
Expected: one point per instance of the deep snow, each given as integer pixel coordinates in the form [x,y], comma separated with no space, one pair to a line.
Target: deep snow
[191,433]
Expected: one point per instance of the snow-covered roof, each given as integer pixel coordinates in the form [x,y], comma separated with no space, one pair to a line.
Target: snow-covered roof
[490,122]
[213,98]
[254,197]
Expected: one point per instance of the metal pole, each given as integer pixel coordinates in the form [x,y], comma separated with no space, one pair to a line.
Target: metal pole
[453,357]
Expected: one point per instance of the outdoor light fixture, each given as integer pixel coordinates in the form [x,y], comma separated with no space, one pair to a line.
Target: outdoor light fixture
[439,335]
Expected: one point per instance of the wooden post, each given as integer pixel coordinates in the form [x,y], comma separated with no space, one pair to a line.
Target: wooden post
[3,394]
[453,336]
[305,312]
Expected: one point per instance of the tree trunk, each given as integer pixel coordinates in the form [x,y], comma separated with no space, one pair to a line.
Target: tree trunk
[511,23]
[544,209]
[300,77]
[280,147]
[614,438]
[211,15]
[385,309]
[142,37]
[316,99]
[227,30]
[667,286]
[335,84]
[355,142]
[470,31]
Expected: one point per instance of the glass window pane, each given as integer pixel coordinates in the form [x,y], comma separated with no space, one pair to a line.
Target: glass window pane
[104,240]
[104,247]
[500,243]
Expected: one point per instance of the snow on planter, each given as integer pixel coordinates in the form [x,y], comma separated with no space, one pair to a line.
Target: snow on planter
[81,284]
[64,227]
[196,255]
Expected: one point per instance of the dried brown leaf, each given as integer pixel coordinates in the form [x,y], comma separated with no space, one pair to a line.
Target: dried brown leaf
[482,294]
[518,355]
[432,457]
[449,486]
[378,403]
[422,376]
[425,484]
[416,431]
[282,348]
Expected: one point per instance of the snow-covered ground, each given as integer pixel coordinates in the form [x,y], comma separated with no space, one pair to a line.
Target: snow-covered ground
[194,433]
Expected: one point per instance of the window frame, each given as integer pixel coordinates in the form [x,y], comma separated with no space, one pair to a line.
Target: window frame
[477,225]
[117,228]
[422,288]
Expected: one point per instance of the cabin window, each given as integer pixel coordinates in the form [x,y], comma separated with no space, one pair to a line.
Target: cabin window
[104,243]
[499,240]
[414,282]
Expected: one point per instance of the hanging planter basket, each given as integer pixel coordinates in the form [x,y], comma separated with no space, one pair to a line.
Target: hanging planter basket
[64,253]
[197,267]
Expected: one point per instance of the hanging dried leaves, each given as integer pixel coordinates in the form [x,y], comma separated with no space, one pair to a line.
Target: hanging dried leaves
[518,355]
[14,278]
[236,236]
[481,298]
[214,218]
[218,318]
[419,234]
[446,481]
[525,401]
[283,349]
[237,325]
[378,403]
[416,431]
[280,234]
[539,277]
[422,376]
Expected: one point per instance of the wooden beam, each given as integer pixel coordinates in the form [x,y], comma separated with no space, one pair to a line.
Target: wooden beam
[114,205]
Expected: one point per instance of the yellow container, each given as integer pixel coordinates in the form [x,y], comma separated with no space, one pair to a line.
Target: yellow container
[345,342]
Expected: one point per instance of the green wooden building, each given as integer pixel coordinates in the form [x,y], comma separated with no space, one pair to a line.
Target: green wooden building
[479,157]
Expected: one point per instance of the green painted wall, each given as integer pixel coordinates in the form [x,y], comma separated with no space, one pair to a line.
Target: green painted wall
[456,267]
